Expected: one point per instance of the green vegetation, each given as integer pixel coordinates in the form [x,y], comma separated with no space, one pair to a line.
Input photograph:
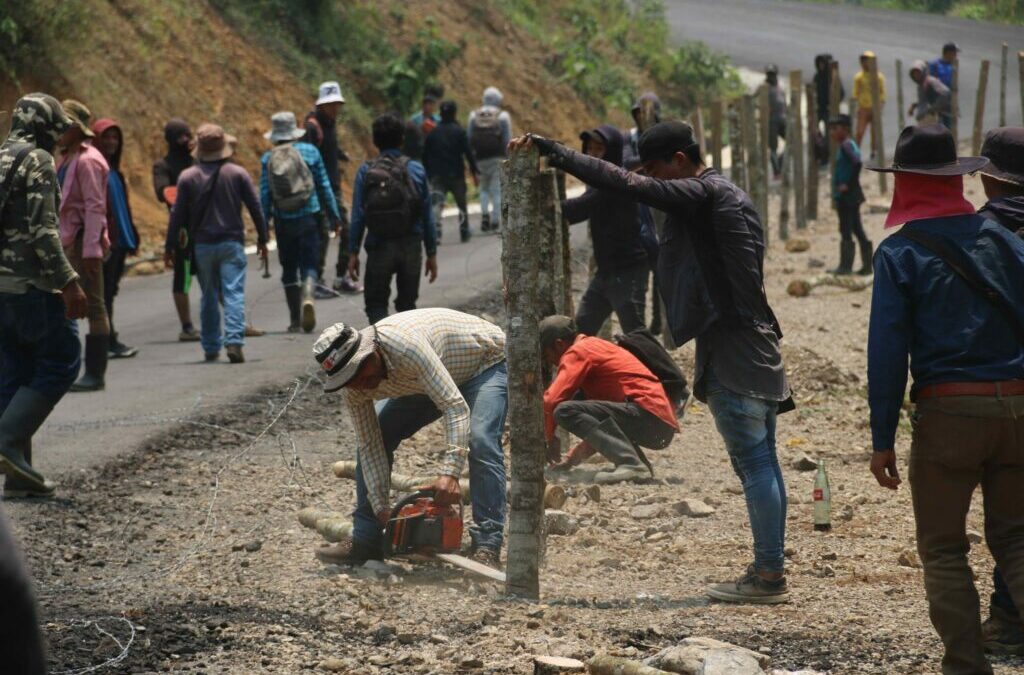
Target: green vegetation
[1002,11]
[608,50]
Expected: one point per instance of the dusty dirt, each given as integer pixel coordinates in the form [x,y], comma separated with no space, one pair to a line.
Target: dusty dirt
[189,553]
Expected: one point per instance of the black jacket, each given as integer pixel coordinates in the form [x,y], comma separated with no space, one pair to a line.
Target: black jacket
[710,264]
[1008,212]
[444,150]
[614,217]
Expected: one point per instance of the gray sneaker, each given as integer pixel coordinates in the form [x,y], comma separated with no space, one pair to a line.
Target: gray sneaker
[623,473]
[751,589]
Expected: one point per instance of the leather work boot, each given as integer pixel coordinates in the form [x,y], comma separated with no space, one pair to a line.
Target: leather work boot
[308,312]
[235,354]
[21,419]
[609,440]
[96,355]
[487,556]
[350,552]
[1002,632]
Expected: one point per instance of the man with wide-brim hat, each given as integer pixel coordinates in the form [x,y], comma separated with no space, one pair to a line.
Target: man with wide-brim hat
[949,295]
[420,366]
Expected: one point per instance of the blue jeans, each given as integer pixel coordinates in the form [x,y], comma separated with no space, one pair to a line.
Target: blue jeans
[298,249]
[221,271]
[747,425]
[400,418]
[39,346]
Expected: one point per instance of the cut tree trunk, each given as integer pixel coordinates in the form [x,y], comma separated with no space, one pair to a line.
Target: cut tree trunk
[801,288]
[556,665]
[615,665]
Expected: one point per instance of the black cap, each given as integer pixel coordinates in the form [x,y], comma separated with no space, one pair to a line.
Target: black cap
[771,69]
[556,327]
[841,118]
[930,150]
[950,47]
[665,139]
[1004,148]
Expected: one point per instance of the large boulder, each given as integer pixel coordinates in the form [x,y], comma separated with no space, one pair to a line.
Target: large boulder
[707,656]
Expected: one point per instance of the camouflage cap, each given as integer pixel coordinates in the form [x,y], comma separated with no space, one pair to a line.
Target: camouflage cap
[40,118]
[80,115]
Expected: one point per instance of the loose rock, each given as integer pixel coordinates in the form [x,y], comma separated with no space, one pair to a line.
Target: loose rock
[560,523]
[804,463]
[693,508]
[646,511]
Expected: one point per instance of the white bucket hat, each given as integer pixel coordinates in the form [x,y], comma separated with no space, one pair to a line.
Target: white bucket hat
[284,128]
[330,92]
[340,350]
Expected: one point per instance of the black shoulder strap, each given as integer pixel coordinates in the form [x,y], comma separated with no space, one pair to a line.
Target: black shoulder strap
[5,188]
[977,284]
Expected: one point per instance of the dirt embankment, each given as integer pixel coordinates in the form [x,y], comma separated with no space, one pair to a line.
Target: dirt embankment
[143,62]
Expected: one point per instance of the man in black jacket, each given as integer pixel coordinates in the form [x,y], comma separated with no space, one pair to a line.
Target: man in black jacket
[444,152]
[711,276]
[620,283]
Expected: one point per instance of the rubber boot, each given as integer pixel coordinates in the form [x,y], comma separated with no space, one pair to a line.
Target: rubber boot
[96,355]
[846,253]
[608,439]
[19,488]
[293,296]
[308,312]
[23,416]
[867,252]
[485,222]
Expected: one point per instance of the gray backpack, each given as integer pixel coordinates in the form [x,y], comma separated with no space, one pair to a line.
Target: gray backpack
[291,181]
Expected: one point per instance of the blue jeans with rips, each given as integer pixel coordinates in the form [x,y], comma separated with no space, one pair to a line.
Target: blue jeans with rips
[747,425]
[400,418]
[221,271]
[39,346]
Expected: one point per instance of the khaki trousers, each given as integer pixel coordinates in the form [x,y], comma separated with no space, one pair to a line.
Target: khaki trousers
[958,444]
[90,274]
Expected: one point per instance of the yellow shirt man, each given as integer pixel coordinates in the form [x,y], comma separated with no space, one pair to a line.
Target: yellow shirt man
[865,102]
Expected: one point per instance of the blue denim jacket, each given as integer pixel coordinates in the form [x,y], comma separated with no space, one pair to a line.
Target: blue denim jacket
[921,308]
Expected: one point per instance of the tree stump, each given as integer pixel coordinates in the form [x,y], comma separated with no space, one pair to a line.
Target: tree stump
[602,664]
[556,665]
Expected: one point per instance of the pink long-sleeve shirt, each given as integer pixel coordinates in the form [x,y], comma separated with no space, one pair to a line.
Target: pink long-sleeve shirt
[83,206]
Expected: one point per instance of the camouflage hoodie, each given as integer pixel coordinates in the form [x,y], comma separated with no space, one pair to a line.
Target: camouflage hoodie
[30,249]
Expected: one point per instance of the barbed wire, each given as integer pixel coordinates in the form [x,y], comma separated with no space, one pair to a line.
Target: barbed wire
[113,661]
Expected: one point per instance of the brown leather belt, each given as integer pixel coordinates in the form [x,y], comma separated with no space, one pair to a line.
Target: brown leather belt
[1007,388]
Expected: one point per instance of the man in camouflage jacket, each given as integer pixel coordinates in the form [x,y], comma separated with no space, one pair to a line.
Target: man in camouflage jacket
[39,292]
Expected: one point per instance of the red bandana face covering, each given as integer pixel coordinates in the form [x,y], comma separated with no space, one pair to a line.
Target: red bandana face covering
[918,196]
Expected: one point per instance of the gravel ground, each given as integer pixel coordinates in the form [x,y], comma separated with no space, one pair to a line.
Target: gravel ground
[187,557]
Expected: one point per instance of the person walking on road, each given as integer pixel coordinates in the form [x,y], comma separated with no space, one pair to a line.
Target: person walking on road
[83,173]
[949,295]
[934,100]
[942,67]
[865,99]
[402,374]
[322,132]
[620,282]
[776,116]
[296,194]
[848,196]
[124,237]
[445,155]
[711,268]
[623,406]
[391,208]
[209,203]
[489,130]
[166,171]
[40,297]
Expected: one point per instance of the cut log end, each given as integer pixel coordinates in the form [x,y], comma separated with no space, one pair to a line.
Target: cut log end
[556,665]
[554,497]
[603,664]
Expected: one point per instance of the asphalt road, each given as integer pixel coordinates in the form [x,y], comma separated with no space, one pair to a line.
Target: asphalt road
[789,34]
[169,380]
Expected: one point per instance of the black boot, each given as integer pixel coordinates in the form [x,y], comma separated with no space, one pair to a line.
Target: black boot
[867,252]
[21,419]
[95,364]
[846,253]
[119,350]
[609,439]
[19,488]
[293,296]
[485,222]
[308,311]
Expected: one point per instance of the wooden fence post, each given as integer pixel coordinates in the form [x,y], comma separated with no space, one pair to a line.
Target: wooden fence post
[1002,85]
[795,146]
[755,160]
[520,258]
[979,108]
[812,155]
[737,146]
[764,129]
[900,111]
[834,99]
[716,134]
[955,95]
[697,122]
[564,305]
[877,125]
[549,289]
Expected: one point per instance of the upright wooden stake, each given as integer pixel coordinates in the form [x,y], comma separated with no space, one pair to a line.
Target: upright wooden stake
[1002,85]
[755,160]
[900,110]
[979,108]
[834,99]
[812,156]
[548,290]
[521,185]
[795,145]
[764,129]
[716,134]
[877,125]
[955,95]
[737,146]
[565,305]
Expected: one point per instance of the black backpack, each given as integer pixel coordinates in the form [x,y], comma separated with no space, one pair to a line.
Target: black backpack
[646,348]
[486,139]
[391,201]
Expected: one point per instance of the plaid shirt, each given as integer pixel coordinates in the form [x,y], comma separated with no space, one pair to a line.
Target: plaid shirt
[431,352]
[322,187]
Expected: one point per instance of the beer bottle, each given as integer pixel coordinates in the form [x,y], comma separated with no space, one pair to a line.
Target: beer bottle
[822,500]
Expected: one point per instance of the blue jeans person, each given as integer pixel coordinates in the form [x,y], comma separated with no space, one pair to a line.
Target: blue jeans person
[298,249]
[400,418]
[747,425]
[221,271]
[39,346]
